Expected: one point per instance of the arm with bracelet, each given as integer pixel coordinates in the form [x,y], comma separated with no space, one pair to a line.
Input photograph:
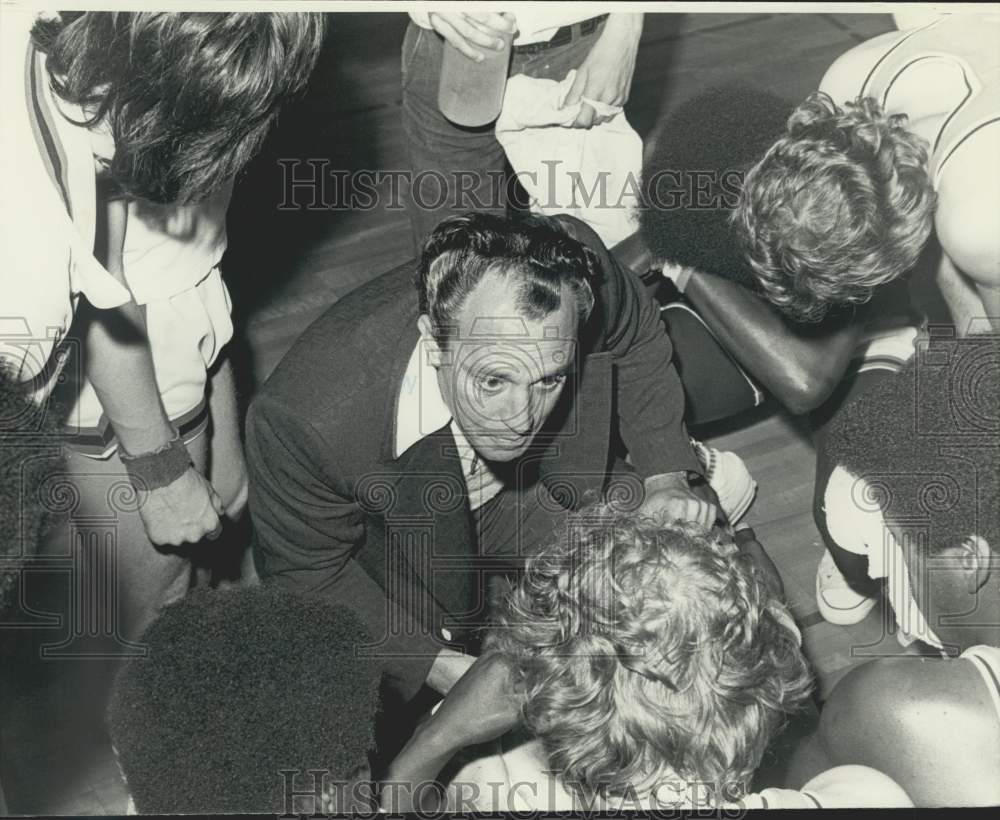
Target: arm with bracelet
[177,504]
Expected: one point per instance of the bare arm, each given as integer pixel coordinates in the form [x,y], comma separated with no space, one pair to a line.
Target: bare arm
[606,72]
[483,705]
[120,367]
[798,364]
[966,219]
[926,723]
[119,363]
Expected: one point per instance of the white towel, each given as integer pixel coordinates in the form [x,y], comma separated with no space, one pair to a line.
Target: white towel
[591,173]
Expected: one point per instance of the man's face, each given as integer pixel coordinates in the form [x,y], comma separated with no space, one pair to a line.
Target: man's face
[501,372]
[946,587]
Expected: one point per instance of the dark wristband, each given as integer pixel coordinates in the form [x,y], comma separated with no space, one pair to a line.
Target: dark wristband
[159,468]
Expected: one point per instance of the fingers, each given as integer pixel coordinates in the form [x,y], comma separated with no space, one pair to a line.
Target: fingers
[448,31]
[216,500]
[576,89]
[235,507]
[709,515]
[586,117]
[705,514]
[465,32]
[695,510]
[492,23]
[213,520]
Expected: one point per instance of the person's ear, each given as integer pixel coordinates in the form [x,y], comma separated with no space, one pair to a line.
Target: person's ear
[974,562]
[428,344]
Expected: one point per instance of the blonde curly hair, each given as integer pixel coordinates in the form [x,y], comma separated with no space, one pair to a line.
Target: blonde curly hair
[648,652]
[841,204]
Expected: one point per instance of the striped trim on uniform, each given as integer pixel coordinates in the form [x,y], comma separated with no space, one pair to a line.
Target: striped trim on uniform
[960,141]
[100,442]
[895,47]
[41,116]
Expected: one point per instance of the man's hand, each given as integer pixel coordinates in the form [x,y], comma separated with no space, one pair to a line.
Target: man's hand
[606,73]
[183,512]
[447,668]
[465,30]
[670,498]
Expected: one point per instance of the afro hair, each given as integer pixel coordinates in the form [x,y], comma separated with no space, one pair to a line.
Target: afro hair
[30,451]
[238,686]
[707,142]
[925,441]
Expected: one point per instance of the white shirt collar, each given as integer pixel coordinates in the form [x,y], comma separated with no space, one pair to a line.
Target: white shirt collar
[420,410]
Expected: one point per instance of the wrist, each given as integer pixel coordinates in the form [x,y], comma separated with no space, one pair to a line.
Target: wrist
[137,439]
[159,467]
[449,665]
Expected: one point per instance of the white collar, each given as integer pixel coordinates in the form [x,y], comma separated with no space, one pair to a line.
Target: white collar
[421,409]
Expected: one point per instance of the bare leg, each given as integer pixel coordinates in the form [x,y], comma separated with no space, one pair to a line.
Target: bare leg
[146,577]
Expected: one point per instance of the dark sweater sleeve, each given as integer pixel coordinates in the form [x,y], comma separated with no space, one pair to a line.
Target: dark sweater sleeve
[305,533]
[649,394]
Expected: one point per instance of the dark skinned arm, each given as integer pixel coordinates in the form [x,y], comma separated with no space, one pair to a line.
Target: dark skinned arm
[482,705]
[923,722]
[800,365]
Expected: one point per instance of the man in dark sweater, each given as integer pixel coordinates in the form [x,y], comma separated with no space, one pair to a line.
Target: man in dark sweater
[416,440]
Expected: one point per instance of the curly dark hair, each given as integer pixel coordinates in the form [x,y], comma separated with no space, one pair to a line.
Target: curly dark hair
[30,451]
[238,686]
[841,204]
[705,146]
[463,249]
[189,97]
[649,652]
[925,441]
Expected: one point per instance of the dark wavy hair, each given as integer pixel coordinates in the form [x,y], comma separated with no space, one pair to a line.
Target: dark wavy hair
[238,686]
[841,204]
[188,97]
[463,249]
[648,653]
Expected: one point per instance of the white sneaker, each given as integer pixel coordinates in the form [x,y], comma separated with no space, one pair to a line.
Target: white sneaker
[838,603]
[726,473]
